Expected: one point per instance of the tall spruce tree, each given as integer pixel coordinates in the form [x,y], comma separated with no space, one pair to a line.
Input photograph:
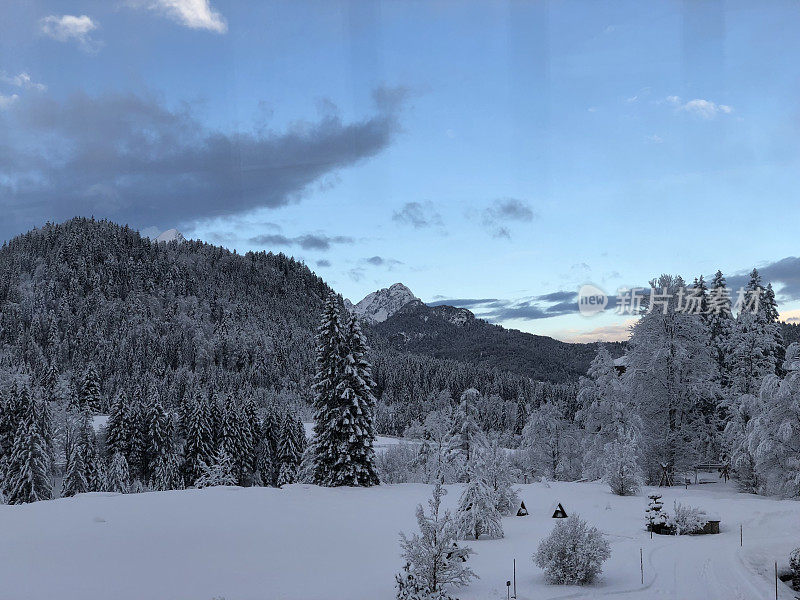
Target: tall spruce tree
[27,474]
[90,397]
[343,403]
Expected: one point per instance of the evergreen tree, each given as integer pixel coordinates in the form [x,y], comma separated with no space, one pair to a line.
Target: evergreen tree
[118,428]
[344,404]
[467,437]
[198,449]
[720,323]
[436,561]
[90,398]
[75,478]
[477,512]
[500,476]
[27,473]
[166,472]
[606,414]
[219,472]
[290,448]
[773,435]
[118,479]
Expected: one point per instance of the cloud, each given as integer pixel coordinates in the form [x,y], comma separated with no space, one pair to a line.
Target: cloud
[784,274]
[654,139]
[309,241]
[7,101]
[380,261]
[607,333]
[506,210]
[68,28]
[323,263]
[418,214]
[23,80]
[705,109]
[132,159]
[194,14]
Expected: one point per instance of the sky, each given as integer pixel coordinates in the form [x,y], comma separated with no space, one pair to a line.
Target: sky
[492,155]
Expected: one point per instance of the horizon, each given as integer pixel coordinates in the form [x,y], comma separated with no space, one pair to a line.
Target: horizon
[485,156]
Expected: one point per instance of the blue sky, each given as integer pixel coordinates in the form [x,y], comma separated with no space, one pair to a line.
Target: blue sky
[472,150]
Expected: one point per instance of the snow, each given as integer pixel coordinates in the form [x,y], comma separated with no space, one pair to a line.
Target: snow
[171,235]
[308,543]
[99,421]
[381,441]
[379,306]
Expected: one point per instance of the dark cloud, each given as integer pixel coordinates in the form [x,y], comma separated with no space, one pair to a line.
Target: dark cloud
[418,215]
[323,263]
[132,159]
[463,302]
[502,211]
[380,261]
[559,297]
[309,241]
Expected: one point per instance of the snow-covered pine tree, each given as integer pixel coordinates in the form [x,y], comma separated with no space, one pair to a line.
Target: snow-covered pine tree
[166,472]
[27,473]
[343,403]
[622,472]
[500,475]
[752,354]
[327,403]
[138,458]
[160,432]
[436,561]
[268,462]
[75,478]
[773,435]
[654,515]
[90,397]
[290,448]
[720,323]
[607,415]
[198,449]
[467,436]
[477,512]
[118,478]
[94,468]
[118,427]
[219,472]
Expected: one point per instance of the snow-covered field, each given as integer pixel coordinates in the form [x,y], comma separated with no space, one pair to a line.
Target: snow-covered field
[310,543]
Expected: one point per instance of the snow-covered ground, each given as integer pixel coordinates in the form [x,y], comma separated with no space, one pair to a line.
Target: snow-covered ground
[309,543]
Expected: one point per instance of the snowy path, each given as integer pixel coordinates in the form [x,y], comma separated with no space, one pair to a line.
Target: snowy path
[309,543]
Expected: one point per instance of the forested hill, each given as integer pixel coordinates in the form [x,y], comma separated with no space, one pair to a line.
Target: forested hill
[454,333]
[168,318]
[89,291]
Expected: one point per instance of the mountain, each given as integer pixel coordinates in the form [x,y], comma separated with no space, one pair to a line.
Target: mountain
[447,332]
[171,235]
[172,317]
[379,306]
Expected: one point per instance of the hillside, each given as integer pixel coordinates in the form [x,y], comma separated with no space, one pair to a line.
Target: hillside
[182,313]
[177,316]
[453,333]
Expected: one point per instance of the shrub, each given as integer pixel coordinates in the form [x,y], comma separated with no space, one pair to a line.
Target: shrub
[573,553]
[794,564]
[686,519]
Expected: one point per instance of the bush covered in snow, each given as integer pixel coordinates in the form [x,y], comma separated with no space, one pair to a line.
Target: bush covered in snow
[573,553]
[685,519]
[794,565]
